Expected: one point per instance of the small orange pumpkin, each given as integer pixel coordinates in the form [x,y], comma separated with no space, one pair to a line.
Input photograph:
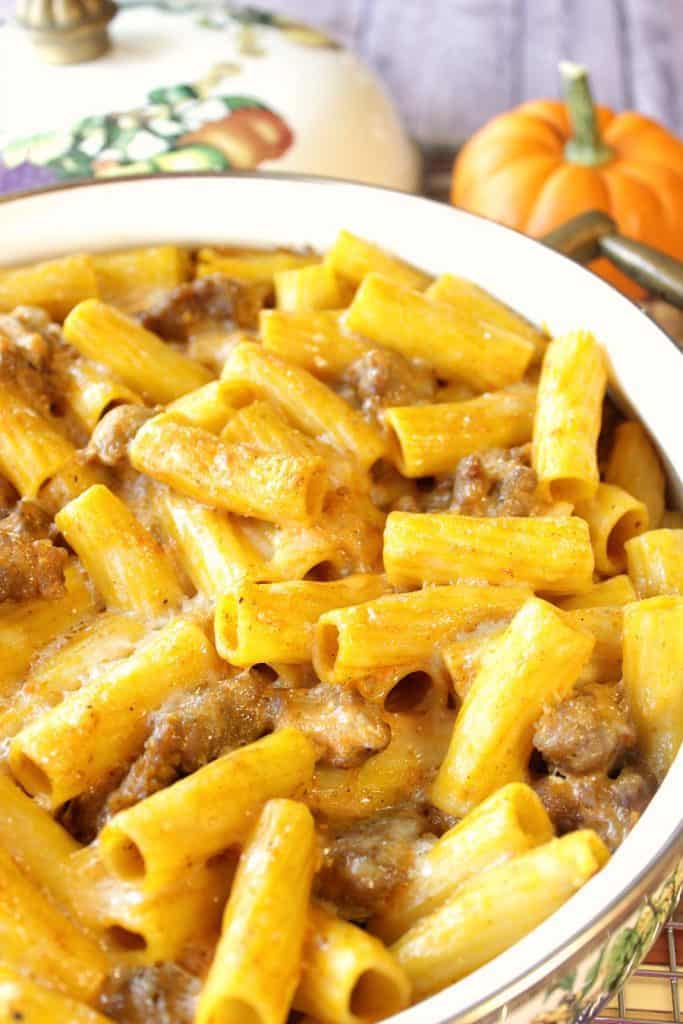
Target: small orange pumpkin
[546,161]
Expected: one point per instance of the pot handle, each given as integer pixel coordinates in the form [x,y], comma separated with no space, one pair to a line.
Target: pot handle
[594,234]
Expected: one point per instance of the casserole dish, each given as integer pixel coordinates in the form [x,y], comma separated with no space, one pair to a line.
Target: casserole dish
[572,963]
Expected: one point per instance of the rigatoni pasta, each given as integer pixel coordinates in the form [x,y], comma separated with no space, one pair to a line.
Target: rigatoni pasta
[403,319]
[234,477]
[322,615]
[125,562]
[315,341]
[153,840]
[655,562]
[108,714]
[536,663]
[433,438]
[137,356]
[551,555]
[653,661]
[310,405]
[477,302]
[635,467]
[32,450]
[570,394]
[348,975]
[55,285]
[353,258]
[267,910]
[38,939]
[614,516]
[275,622]
[21,999]
[353,642]
[509,822]
[455,939]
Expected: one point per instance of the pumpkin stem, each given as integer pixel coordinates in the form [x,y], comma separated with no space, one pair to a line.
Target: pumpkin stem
[586,145]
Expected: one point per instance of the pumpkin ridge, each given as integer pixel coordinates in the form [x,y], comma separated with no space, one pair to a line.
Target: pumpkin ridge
[626,169]
[549,112]
[628,124]
[664,197]
[624,208]
[495,185]
[556,201]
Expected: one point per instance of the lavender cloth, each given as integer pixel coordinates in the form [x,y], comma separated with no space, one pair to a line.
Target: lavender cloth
[452,64]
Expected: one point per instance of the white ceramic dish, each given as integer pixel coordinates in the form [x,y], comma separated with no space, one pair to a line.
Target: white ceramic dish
[576,959]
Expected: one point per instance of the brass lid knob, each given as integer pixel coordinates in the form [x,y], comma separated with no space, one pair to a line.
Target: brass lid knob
[67,31]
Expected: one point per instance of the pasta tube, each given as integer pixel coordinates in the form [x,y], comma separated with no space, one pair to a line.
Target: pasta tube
[606,627]
[386,779]
[635,467]
[315,341]
[134,279]
[262,426]
[207,812]
[53,673]
[236,477]
[254,266]
[614,592]
[655,562]
[210,406]
[464,657]
[553,555]
[141,360]
[492,911]
[568,416]
[37,939]
[405,320]
[258,958]
[213,550]
[109,715]
[348,976]
[125,562]
[73,478]
[144,928]
[653,667]
[31,449]
[22,1000]
[431,439]
[133,924]
[308,403]
[509,822]
[479,304]
[55,285]
[352,258]
[26,627]
[535,664]
[399,628]
[307,289]
[90,390]
[331,547]
[274,622]
[613,517]
[39,844]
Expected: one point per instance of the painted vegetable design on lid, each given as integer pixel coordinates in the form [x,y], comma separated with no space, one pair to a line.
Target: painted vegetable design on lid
[180,130]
